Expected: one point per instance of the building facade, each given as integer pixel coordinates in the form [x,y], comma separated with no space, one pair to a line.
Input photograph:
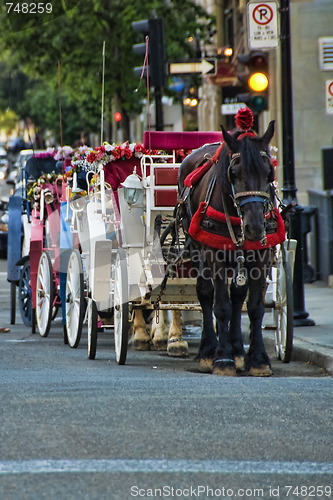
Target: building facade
[311,24]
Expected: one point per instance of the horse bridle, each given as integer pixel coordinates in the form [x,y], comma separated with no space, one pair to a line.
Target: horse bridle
[249,196]
[241,198]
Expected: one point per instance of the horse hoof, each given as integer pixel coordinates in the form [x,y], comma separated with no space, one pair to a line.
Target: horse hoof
[240,363]
[160,345]
[260,371]
[178,348]
[206,365]
[141,345]
[225,371]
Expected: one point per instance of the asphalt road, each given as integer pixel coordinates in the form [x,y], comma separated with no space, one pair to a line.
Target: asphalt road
[73,428]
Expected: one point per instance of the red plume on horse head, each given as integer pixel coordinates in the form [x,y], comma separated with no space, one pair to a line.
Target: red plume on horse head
[244,119]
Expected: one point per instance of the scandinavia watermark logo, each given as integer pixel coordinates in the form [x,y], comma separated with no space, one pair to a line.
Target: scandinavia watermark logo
[24,15]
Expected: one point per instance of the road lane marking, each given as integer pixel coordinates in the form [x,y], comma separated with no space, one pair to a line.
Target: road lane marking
[164,466]
[19,340]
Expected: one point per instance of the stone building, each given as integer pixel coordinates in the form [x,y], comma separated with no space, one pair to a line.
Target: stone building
[311,24]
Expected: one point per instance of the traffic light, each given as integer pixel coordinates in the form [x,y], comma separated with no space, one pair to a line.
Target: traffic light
[154,29]
[255,80]
[117,116]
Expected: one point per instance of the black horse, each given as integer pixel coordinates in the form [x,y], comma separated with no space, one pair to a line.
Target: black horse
[230,217]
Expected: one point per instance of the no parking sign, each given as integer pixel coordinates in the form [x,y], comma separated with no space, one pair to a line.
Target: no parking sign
[329,97]
[263,25]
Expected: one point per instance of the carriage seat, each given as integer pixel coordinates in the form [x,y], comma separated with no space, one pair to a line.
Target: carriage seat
[165,185]
[166,176]
[35,167]
[169,141]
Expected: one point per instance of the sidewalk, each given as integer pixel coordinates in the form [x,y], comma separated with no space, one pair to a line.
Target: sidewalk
[315,343]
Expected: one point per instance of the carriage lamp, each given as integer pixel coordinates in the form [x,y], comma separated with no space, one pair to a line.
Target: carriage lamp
[132,188]
[78,201]
[48,196]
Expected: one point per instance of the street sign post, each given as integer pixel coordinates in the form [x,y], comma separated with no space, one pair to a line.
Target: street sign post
[263,25]
[205,67]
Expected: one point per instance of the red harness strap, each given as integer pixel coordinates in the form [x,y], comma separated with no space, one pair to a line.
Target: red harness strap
[194,177]
[220,242]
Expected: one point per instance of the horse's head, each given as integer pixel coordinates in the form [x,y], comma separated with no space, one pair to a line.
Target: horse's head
[250,173]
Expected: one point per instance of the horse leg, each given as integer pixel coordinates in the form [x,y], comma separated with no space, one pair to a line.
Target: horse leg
[237,295]
[159,331]
[205,292]
[257,360]
[177,346]
[224,363]
[141,338]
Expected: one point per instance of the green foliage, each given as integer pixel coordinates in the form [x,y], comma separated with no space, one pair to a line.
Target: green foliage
[8,121]
[41,104]
[75,40]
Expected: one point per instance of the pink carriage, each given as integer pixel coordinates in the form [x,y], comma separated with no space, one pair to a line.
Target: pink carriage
[46,253]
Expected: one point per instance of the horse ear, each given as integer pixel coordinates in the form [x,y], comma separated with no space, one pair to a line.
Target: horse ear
[267,137]
[229,139]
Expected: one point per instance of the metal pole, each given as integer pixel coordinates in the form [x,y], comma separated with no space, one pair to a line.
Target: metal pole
[289,186]
[102,103]
[159,109]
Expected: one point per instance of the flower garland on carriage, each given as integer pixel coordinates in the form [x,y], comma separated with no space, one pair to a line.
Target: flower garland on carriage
[46,179]
[84,159]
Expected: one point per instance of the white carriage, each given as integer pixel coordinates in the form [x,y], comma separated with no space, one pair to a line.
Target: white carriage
[118,264]
[89,266]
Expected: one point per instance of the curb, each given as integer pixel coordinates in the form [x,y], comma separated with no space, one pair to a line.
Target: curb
[308,352]
[311,353]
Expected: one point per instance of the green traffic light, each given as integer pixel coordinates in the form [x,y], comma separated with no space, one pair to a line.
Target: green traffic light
[258,103]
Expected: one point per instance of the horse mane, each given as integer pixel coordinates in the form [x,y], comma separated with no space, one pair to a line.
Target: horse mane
[252,161]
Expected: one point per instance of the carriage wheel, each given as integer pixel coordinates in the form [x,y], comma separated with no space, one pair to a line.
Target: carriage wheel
[12,302]
[121,310]
[92,328]
[44,294]
[284,309]
[25,298]
[75,301]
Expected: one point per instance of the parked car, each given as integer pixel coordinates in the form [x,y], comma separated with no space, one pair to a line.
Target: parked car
[4,168]
[16,145]
[3,152]
[20,162]
[23,156]
[4,217]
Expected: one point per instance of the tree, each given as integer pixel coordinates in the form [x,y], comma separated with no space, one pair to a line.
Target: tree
[41,104]
[76,40]
[8,121]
